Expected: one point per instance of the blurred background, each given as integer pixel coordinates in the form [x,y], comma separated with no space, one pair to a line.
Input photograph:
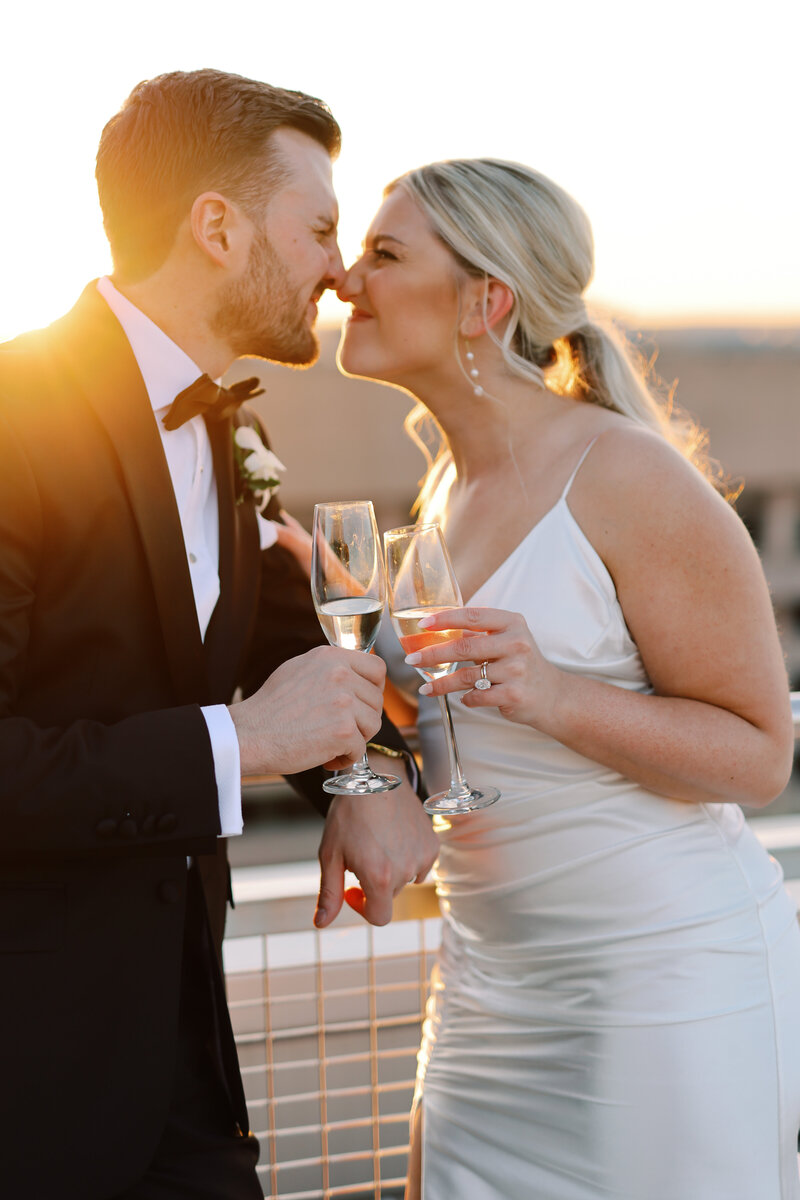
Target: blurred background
[675,126]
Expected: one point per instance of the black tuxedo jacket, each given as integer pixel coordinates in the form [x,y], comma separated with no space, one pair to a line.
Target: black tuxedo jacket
[106,772]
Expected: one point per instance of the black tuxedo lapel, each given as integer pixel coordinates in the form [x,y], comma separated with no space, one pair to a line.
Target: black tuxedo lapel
[100,360]
[229,629]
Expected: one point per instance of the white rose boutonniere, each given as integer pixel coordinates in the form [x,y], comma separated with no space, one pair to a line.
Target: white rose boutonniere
[257,466]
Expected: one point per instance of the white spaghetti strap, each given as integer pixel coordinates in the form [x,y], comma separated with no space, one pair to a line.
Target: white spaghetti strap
[578,466]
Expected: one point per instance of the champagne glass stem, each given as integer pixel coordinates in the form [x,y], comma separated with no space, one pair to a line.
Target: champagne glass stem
[362,767]
[457,780]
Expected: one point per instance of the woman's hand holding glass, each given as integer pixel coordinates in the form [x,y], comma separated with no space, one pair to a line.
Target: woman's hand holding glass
[423,587]
[523,685]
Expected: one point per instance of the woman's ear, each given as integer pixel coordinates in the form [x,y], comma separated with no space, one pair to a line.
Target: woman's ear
[218,229]
[487,302]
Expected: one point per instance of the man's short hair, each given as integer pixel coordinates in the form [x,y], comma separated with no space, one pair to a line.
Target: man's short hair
[185,133]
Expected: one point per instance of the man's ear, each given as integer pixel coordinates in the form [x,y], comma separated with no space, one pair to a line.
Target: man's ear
[219,229]
[485,303]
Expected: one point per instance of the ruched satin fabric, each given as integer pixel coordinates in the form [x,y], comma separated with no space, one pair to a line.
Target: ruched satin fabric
[616,1007]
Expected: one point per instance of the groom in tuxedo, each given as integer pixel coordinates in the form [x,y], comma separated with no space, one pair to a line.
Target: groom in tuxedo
[138,590]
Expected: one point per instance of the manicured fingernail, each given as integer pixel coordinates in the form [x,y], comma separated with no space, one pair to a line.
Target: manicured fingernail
[424,622]
[426,689]
[413,659]
[319,916]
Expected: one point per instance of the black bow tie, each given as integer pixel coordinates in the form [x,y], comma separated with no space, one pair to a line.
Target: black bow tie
[207,399]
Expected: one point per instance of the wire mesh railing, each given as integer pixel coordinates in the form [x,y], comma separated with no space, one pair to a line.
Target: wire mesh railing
[327,1025]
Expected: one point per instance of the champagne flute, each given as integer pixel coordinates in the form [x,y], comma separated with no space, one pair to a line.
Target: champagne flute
[348,587]
[422,582]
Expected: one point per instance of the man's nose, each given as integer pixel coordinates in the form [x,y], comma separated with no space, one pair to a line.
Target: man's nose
[336,269]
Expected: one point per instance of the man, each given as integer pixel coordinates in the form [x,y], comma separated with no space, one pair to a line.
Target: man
[134,598]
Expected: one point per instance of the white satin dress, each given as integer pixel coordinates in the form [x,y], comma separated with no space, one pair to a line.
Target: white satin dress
[616,1007]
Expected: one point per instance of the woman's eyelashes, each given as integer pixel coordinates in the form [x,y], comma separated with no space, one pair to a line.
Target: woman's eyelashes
[374,256]
[379,254]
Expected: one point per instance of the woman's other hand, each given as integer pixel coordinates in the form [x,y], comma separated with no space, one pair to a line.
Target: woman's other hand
[294,538]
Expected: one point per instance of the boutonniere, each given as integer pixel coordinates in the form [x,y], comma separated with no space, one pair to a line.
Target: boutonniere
[256,466]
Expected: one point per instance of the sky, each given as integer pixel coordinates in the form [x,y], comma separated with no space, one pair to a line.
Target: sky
[675,126]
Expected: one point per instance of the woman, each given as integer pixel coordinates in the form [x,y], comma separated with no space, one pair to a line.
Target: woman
[616,1010]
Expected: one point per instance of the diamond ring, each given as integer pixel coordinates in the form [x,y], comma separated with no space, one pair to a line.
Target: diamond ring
[484,683]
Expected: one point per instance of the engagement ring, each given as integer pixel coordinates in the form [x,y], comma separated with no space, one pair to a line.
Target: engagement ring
[484,682]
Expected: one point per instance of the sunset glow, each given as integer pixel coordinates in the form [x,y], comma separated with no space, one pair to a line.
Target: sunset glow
[674,126]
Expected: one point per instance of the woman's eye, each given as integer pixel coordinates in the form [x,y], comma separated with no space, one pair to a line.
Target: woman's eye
[383,255]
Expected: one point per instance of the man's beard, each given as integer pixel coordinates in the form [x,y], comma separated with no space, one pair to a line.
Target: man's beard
[260,317]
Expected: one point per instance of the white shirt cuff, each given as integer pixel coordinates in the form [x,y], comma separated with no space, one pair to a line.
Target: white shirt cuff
[227,768]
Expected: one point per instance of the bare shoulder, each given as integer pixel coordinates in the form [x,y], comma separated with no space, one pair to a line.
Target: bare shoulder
[629,464]
[627,455]
[635,489]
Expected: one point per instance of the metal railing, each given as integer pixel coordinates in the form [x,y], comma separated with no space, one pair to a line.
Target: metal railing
[327,1026]
[327,1023]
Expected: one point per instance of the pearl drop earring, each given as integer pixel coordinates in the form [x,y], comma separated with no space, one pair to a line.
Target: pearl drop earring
[474,372]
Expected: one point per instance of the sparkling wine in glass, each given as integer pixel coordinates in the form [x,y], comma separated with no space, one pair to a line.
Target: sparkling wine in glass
[349,591]
[422,582]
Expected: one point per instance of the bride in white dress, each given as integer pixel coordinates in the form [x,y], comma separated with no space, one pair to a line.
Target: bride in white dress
[616,1009]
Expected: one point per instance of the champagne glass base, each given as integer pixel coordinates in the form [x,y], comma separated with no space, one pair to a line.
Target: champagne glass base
[360,785]
[461,801]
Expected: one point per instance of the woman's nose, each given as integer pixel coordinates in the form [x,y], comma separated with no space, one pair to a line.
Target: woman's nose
[350,286]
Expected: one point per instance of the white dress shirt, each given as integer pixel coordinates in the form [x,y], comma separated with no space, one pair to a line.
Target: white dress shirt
[167,370]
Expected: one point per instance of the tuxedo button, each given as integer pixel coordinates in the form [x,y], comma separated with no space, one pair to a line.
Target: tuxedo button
[149,826]
[128,827]
[106,828]
[167,823]
[169,891]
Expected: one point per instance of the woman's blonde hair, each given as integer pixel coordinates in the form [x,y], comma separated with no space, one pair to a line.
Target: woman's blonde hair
[505,221]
